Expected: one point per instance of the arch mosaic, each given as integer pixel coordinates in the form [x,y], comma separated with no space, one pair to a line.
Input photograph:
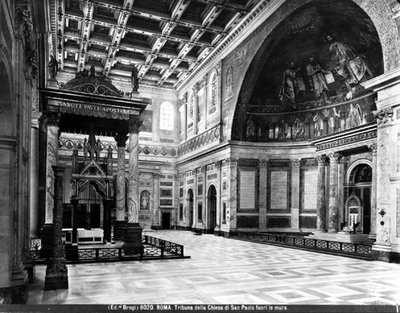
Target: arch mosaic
[247,72]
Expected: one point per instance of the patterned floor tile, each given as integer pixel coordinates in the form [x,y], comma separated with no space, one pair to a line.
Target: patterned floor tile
[223,270]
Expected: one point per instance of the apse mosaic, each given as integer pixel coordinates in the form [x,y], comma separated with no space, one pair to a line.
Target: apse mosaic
[306,80]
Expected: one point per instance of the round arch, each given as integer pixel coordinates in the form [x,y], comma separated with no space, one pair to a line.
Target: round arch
[190,206]
[377,13]
[212,219]
[354,165]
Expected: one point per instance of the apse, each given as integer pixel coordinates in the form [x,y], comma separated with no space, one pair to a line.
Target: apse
[304,34]
[335,39]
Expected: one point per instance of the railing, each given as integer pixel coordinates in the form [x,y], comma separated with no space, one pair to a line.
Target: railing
[344,248]
[165,246]
[153,248]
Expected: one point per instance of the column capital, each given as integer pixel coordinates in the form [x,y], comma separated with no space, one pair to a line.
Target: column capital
[373,148]
[383,116]
[52,118]
[58,169]
[134,124]
[218,164]
[321,159]
[121,139]
[263,163]
[295,162]
[231,161]
[334,157]
[203,168]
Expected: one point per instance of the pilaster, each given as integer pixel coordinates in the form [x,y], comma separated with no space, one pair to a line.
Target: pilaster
[263,167]
[295,195]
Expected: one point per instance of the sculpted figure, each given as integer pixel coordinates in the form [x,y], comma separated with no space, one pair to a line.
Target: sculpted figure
[53,67]
[348,64]
[316,78]
[291,85]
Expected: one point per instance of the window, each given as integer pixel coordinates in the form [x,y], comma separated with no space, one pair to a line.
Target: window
[167,116]
[180,211]
[223,213]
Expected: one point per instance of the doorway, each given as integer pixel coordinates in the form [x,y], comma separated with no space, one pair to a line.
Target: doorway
[212,207]
[190,207]
[165,220]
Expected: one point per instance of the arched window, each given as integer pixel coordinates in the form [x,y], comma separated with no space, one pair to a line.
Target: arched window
[167,116]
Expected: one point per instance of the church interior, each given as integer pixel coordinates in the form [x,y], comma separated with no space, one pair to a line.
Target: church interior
[137,129]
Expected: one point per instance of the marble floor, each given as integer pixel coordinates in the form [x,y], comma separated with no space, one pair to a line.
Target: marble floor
[228,271]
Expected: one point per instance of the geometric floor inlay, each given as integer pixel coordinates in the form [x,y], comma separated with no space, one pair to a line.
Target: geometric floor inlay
[227,271]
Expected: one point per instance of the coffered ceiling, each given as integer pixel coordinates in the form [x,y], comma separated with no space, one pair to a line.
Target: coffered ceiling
[165,39]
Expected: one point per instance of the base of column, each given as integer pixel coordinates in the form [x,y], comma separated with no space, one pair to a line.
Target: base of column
[29,266]
[20,287]
[119,230]
[56,278]
[6,295]
[381,252]
[71,252]
[46,250]
[133,239]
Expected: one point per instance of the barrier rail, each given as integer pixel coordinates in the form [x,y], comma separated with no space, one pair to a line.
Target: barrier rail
[153,248]
[344,248]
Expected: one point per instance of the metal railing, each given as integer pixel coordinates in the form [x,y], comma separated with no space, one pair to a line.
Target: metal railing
[343,248]
[153,248]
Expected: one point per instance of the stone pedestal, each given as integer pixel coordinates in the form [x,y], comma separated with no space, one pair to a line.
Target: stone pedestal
[47,241]
[133,239]
[119,230]
[146,219]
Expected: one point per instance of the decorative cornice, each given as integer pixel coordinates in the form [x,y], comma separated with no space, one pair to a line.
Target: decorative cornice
[201,140]
[348,140]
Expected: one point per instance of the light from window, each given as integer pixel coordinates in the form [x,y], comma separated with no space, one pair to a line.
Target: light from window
[167,116]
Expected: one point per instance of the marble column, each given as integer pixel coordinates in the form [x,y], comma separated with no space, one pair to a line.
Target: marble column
[133,175]
[321,203]
[156,200]
[120,194]
[262,202]
[120,222]
[341,181]
[52,133]
[232,196]
[373,214]
[133,234]
[52,120]
[295,209]
[34,179]
[203,171]
[218,166]
[56,271]
[333,225]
